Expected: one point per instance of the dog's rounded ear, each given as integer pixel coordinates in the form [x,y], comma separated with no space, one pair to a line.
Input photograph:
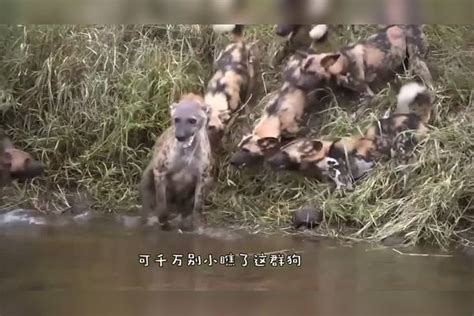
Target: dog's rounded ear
[310,146]
[329,60]
[267,142]
[317,145]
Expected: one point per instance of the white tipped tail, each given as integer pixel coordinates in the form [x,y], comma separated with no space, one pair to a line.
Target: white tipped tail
[414,97]
[318,31]
[223,28]
[407,96]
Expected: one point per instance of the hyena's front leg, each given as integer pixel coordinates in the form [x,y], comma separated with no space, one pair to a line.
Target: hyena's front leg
[194,218]
[147,193]
[161,201]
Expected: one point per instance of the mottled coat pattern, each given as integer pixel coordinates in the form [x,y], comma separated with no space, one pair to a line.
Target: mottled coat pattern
[281,118]
[347,159]
[373,61]
[231,85]
[177,179]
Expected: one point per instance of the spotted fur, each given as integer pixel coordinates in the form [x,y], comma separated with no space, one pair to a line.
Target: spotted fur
[179,175]
[230,86]
[348,159]
[371,62]
[281,118]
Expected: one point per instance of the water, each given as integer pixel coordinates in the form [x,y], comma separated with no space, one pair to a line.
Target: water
[78,266]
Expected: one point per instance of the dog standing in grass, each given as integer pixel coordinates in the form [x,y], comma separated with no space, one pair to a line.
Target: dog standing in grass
[178,177]
[374,61]
[16,164]
[232,83]
[348,159]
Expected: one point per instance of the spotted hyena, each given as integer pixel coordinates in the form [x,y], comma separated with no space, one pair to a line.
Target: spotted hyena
[177,179]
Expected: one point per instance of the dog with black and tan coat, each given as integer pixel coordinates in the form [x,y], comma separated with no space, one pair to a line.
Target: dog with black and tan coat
[281,119]
[231,85]
[345,160]
[361,66]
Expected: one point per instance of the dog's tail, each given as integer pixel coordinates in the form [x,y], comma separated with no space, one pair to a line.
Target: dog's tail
[237,30]
[318,32]
[415,98]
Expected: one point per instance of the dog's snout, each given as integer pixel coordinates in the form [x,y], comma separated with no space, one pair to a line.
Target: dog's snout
[278,160]
[234,162]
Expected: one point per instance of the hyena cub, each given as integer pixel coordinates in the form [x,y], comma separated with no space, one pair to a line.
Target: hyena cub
[231,84]
[348,159]
[17,164]
[372,62]
[281,118]
[178,176]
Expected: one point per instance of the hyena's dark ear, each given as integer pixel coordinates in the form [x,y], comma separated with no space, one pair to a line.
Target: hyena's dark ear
[329,60]
[173,106]
[267,142]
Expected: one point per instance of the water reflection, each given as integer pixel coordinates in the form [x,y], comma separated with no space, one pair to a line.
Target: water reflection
[93,269]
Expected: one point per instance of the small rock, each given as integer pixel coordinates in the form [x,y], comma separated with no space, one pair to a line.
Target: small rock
[394,240]
[308,216]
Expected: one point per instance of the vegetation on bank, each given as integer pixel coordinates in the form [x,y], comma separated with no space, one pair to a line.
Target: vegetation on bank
[89,101]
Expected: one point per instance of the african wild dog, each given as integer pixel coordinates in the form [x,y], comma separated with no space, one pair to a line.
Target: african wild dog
[17,164]
[348,159]
[302,11]
[178,177]
[281,118]
[231,84]
[361,66]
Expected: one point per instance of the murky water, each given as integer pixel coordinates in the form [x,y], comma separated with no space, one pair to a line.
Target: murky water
[75,266]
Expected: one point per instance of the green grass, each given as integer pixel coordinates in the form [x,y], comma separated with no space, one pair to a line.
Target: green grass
[89,101]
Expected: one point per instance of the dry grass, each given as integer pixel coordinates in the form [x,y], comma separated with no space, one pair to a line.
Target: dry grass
[89,101]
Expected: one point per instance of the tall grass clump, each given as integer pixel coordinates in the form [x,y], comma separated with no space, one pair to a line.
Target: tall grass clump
[90,101]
